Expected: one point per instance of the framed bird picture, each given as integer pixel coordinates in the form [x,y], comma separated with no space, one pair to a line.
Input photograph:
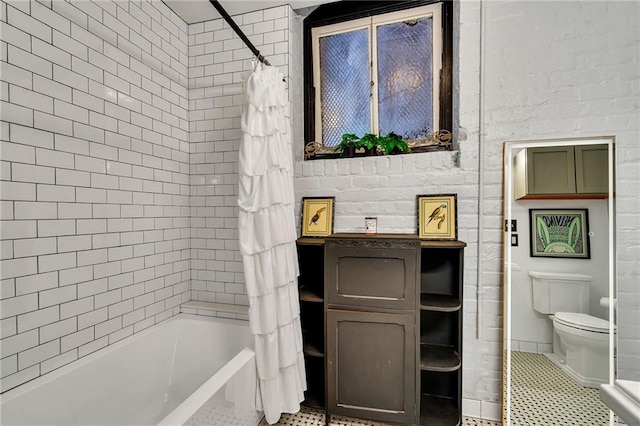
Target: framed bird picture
[438,217]
[317,216]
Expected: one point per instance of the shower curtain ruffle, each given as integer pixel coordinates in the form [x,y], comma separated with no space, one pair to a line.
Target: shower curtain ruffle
[267,270]
[270,225]
[267,235]
[273,310]
[274,187]
[267,150]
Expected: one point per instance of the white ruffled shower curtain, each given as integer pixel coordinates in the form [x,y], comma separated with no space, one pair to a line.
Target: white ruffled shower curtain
[267,243]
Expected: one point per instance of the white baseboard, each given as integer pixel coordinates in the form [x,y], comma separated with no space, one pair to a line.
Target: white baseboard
[589,382]
[531,347]
[481,409]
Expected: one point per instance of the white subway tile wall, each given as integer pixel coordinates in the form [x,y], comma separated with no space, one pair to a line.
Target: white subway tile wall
[219,64]
[95,177]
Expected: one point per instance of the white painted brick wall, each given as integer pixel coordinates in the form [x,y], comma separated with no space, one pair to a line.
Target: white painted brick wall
[549,72]
[94,112]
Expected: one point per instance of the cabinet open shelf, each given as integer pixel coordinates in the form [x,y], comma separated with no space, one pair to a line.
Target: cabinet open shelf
[437,410]
[311,294]
[313,399]
[438,358]
[307,295]
[314,396]
[311,349]
[441,289]
[439,302]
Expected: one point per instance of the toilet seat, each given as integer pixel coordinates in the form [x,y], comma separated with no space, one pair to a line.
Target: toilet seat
[582,322]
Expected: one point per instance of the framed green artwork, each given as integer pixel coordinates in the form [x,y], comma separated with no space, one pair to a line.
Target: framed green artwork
[559,233]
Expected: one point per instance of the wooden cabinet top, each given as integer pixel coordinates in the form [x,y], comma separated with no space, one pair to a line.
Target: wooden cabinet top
[386,236]
[442,244]
[354,235]
[309,241]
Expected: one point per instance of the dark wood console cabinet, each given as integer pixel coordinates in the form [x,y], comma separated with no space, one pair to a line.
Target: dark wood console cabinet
[382,321]
[370,287]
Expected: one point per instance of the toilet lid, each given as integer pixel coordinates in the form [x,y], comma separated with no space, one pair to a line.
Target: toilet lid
[582,321]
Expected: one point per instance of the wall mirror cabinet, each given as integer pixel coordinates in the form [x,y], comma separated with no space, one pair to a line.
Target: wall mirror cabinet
[565,171]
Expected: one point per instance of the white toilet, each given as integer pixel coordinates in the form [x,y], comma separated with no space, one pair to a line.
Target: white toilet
[580,341]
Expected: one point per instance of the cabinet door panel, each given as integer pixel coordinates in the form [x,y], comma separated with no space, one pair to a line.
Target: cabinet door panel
[551,170]
[592,169]
[371,365]
[372,278]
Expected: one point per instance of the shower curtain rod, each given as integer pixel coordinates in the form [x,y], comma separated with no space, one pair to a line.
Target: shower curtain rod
[238,31]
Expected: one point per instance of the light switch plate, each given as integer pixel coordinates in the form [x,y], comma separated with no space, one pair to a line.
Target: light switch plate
[514,226]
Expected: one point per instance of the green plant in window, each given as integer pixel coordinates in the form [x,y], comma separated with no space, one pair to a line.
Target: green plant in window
[389,144]
[392,144]
[349,142]
[368,141]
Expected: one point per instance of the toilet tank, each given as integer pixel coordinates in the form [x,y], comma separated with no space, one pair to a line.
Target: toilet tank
[560,292]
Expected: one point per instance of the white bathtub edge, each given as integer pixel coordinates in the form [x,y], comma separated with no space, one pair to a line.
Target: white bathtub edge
[620,403]
[78,363]
[190,406]
[194,305]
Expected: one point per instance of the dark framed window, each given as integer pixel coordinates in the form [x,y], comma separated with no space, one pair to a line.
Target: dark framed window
[378,67]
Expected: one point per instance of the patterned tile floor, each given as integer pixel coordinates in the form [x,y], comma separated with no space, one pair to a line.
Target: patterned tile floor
[218,411]
[543,395]
[312,416]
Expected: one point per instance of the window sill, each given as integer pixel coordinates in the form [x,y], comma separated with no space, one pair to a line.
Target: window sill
[418,150]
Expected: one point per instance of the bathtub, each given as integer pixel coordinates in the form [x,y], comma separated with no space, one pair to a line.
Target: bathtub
[186,370]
